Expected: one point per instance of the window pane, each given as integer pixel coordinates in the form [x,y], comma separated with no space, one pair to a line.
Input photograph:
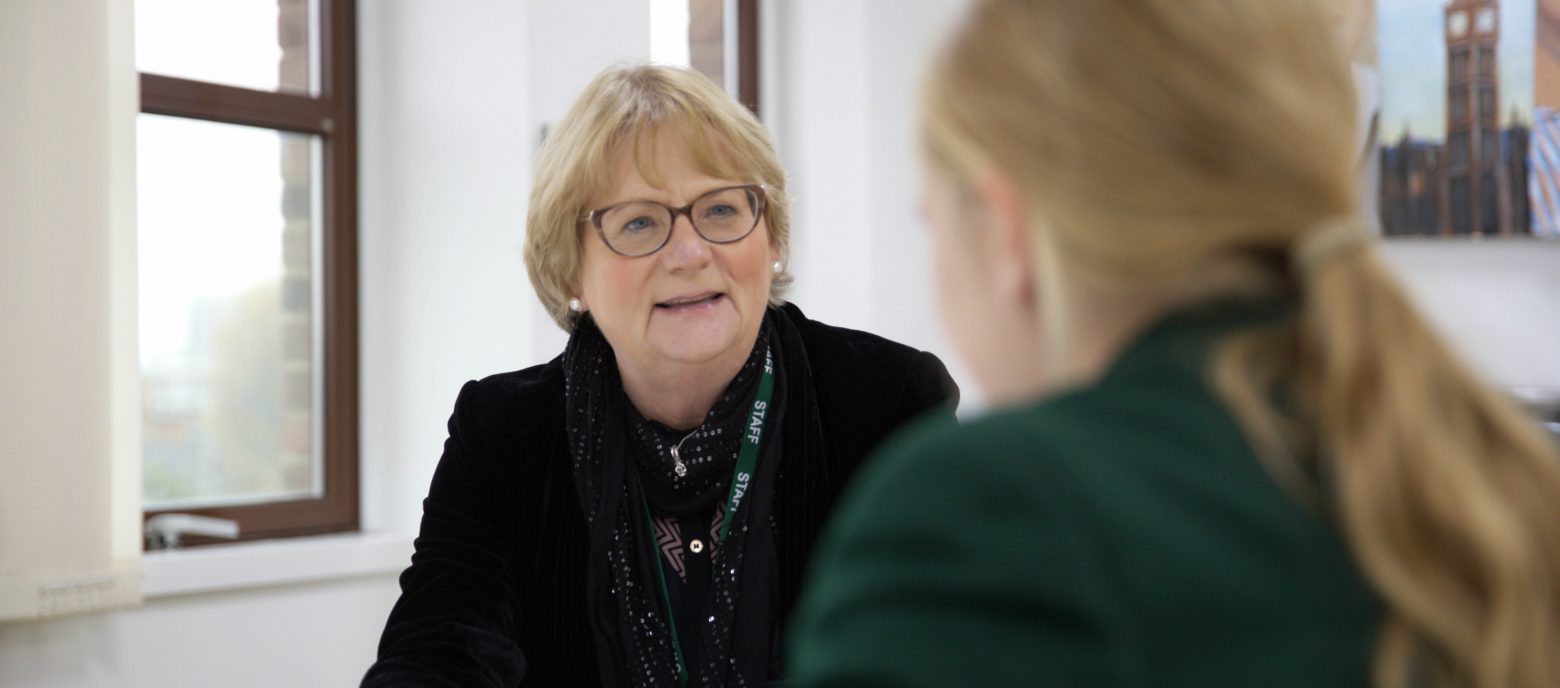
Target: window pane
[260,44]
[228,227]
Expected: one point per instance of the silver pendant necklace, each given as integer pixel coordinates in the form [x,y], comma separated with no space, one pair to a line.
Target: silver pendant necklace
[678,467]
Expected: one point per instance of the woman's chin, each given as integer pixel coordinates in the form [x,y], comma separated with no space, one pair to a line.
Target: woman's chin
[694,341]
[693,350]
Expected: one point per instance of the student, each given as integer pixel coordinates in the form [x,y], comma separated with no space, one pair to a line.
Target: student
[1228,452]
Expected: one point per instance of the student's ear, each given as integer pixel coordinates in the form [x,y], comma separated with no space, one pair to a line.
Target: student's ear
[1008,235]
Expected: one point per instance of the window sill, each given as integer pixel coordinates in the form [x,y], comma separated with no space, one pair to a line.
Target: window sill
[292,561]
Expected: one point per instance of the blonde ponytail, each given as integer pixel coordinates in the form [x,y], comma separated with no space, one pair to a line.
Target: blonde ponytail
[1448,494]
[1165,140]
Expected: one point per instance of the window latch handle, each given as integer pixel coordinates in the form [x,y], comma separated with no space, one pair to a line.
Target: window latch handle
[163,531]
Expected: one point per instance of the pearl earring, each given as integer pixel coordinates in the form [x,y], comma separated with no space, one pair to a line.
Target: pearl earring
[574,305]
[779,266]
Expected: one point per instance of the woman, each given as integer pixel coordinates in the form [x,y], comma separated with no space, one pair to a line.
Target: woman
[639,510]
[1229,452]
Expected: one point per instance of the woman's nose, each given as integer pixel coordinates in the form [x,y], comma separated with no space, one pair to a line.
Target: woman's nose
[686,249]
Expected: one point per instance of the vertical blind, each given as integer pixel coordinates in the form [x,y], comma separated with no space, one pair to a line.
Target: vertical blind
[69,393]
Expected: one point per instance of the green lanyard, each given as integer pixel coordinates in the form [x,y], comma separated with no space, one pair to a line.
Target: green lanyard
[747,457]
[741,478]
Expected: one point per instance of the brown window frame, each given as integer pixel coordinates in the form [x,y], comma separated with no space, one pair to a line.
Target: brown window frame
[332,115]
[747,54]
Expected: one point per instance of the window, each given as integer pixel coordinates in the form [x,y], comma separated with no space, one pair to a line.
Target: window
[1486,101]
[719,38]
[1459,64]
[1489,147]
[1457,109]
[1462,206]
[1489,219]
[1459,144]
[247,176]
[1486,61]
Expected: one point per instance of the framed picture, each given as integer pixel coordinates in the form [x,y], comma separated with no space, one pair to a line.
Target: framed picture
[1467,136]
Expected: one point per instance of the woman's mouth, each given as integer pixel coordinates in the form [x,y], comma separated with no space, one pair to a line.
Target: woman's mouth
[691,302]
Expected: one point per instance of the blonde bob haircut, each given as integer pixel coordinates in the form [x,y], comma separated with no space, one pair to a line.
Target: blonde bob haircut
[621,111]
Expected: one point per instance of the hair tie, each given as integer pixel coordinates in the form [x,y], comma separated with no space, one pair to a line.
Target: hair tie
[1327,241]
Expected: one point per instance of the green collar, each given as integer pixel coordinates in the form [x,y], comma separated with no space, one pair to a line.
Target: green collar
[1183,338]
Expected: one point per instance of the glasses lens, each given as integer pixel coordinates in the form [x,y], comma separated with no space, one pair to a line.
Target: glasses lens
[726,215]
[635,229]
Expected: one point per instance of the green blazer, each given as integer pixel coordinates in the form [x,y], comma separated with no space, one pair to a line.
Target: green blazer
[1122,534]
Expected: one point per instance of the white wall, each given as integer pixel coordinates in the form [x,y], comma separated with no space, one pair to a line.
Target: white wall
[827,153]
[1497,302]
[844,122]
[444,173]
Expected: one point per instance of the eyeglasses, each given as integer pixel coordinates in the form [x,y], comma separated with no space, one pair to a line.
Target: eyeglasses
[639,228]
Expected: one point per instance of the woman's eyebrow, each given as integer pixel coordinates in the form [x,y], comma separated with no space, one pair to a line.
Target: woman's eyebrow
[701,194]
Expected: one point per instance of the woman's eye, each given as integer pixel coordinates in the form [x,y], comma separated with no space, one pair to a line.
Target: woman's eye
[638,224]
[722,210]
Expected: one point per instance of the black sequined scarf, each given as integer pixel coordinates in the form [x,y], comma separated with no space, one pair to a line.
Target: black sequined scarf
[623,468]
[707,453]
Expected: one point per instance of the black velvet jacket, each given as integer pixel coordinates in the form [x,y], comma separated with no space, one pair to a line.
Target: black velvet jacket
[495,593]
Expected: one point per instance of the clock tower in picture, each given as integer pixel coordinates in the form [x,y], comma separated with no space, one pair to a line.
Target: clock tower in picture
[1477,198]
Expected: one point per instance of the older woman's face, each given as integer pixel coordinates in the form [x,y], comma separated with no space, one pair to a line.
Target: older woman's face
[691,302]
